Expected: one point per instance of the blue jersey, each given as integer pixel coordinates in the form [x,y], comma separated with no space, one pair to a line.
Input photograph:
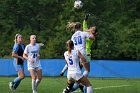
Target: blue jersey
[18,49]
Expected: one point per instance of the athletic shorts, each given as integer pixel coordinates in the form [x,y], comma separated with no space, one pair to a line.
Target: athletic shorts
[74,77]
[35,68]
[18,67]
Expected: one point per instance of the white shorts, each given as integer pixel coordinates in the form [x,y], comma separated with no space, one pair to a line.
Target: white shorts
[35,68]
[75,76]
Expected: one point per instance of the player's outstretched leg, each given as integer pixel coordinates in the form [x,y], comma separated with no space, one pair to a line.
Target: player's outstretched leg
[15,83]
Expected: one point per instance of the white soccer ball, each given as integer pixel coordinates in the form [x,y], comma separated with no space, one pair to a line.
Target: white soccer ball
[78,4]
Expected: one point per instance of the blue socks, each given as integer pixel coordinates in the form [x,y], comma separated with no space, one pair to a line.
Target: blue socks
[16,82]
[75,86]
[85,89]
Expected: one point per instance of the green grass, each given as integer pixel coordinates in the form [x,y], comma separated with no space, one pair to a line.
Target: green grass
[57,84]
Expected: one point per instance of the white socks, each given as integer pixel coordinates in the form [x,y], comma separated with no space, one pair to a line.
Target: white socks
[89,89]
[37,82]
[33,85]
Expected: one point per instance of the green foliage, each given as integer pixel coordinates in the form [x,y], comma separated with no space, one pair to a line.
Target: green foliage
[118,23]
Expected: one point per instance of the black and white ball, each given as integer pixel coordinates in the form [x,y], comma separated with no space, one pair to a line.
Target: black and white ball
[78,4]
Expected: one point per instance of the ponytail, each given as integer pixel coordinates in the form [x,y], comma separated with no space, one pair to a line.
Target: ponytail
[70,46]
[15,40]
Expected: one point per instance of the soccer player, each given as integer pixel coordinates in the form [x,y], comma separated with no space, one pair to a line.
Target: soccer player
[88,41]
[79,39]
[72,58]
[17,53]
[31,54]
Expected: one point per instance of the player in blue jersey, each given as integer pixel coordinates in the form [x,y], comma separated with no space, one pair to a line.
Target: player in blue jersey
[17,53]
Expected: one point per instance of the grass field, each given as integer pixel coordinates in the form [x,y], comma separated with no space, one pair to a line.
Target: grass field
[57,84]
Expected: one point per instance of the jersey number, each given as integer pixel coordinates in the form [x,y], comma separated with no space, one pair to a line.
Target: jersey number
[77,40]
[70,60]
[34,55]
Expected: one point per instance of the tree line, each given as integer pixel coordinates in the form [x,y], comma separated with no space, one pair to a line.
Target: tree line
[117,21]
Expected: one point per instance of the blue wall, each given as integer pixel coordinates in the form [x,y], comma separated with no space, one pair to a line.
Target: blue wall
[99,68]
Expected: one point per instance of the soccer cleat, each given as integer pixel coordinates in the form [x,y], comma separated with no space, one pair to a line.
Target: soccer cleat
[61,74]
[35,92]
[66,91]
[11,85]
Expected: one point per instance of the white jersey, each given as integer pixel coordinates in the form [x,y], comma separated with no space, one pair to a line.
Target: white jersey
[73,62]
[79,40]
[32,52]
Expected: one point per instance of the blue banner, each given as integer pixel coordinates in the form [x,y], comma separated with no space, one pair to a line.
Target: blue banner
[99,68]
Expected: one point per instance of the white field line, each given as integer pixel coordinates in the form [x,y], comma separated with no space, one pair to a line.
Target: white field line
[105,87]
[111,87]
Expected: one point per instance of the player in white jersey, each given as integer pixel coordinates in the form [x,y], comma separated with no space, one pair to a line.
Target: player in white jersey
[31,53]
[72,58]
[79,39]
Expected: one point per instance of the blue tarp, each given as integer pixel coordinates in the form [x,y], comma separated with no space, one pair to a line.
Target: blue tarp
[99,68]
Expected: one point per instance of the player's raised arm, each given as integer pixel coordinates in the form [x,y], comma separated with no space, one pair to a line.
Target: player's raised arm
[41,44]
[85,25]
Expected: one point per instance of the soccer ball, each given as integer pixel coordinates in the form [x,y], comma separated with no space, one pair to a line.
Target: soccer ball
[78,4]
